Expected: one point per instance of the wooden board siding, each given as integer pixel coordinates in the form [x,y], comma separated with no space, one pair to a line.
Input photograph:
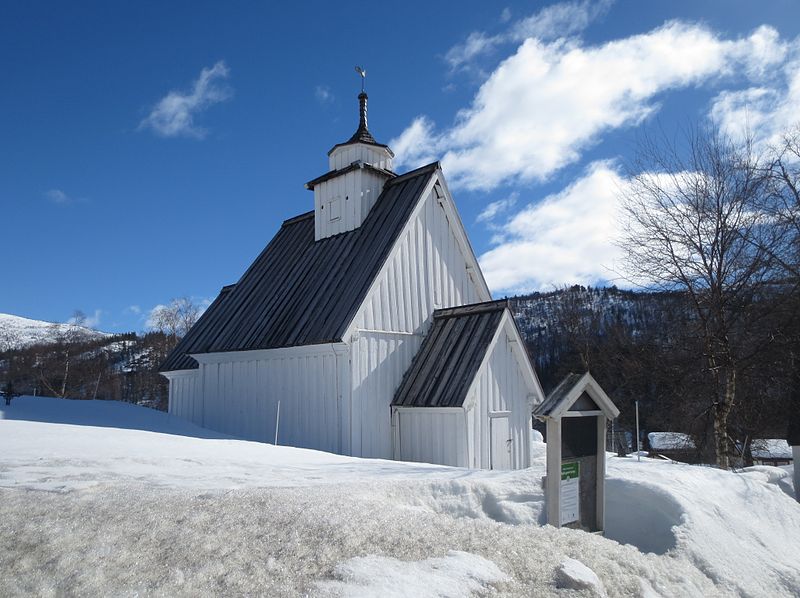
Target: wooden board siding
[240,396]
[500,389]
[427,267]
[355,193]
[184,400]
[379,360]
[431,436]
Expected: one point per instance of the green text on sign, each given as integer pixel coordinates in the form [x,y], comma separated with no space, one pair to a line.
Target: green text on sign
[570,470]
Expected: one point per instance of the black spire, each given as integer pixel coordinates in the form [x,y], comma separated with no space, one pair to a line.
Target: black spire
[362,134]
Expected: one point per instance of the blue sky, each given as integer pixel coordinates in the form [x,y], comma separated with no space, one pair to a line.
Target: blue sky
[151,150]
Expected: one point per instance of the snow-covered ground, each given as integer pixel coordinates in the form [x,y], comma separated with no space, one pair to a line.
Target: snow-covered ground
[107,498]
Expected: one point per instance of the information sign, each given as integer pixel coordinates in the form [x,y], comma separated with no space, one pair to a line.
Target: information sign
[570,492]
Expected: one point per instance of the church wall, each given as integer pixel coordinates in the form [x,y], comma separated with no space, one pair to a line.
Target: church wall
[183,397]
[426,270]
[427,435]
[500,389]
[379,361]
[239,393]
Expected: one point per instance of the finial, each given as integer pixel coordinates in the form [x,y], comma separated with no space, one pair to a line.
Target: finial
[362,111]
[363,74]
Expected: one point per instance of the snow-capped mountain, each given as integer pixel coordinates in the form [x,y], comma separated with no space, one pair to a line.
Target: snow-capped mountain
[17,332]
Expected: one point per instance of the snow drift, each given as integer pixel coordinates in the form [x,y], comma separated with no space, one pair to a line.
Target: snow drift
[107,498]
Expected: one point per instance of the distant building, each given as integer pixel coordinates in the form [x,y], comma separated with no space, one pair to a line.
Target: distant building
[673,445]
[771,451]
[365,328]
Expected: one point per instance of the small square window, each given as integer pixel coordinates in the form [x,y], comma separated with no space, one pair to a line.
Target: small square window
[334,209]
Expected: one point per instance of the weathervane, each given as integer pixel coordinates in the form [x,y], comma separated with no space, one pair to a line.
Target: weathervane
[363,74]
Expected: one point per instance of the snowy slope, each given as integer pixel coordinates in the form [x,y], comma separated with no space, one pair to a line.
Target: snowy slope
[17,332]
[108,498]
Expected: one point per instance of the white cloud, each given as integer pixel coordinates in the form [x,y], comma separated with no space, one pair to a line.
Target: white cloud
[551,22]
[57,196]
[548,102]
[496,208]
[174,114]
[567,238]
[323,94]
[132,309]
[766,111]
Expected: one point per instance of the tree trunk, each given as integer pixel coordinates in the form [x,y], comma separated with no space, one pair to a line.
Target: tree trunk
[722,409]
[66,375]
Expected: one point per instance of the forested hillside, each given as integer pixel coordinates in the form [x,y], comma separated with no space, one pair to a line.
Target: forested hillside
[643,346]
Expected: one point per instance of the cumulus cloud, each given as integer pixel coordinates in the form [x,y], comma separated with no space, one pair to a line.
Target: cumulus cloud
[548,102]
[566,238]
[551,22]
[764,111]
[174,115]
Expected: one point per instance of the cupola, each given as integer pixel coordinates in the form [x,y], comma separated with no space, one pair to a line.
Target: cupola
[359,167]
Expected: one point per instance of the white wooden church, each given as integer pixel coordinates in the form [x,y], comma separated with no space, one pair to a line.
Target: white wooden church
[365,328]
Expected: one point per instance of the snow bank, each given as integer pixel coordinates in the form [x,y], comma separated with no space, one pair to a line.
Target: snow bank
[106,414]
[740,529]
[106,509]
[455,575]
[574,575]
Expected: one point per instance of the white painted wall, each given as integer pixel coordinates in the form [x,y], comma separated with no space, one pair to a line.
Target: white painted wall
[428,268]
[240,392]
[184,399]
[342,203]
[427,435]
[501,388]
[379,361]
[345,155]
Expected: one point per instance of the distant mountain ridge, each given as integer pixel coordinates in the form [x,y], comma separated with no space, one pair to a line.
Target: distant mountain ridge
[17,332]
[547,320]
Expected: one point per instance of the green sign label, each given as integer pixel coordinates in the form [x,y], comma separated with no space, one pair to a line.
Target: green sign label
[570,470]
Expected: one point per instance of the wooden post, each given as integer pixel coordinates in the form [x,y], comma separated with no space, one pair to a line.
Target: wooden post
[601,472]
[553,490]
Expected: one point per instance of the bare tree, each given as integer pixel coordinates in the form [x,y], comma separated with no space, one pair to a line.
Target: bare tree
[175,320]
[695,222]
[784,207]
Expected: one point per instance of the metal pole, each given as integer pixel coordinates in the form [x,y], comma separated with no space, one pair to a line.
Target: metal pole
[638,445]
[277,422]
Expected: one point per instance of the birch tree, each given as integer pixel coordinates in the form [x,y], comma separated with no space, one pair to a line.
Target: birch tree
[695,222]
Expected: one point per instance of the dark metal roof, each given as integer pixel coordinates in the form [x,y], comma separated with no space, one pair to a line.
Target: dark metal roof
[302,292]
[450,356]
[334,173]
[559,392]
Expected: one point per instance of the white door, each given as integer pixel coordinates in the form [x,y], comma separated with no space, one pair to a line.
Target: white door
[500,450]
